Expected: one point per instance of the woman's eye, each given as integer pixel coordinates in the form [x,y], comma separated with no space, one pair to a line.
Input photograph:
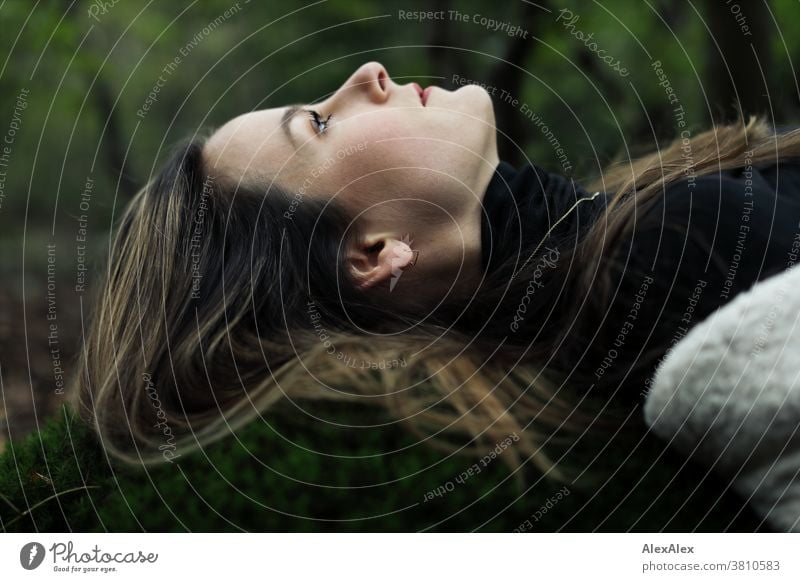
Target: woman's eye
[319,122]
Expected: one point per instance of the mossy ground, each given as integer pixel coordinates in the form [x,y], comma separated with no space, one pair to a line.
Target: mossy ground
[288,474]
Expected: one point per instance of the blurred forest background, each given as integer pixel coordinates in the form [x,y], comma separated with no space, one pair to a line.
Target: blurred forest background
[81,131]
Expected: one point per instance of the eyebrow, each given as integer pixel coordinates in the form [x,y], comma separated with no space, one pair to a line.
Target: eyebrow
[286,120]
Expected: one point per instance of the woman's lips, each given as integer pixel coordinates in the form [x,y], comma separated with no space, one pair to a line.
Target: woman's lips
[419,91]
[426,95]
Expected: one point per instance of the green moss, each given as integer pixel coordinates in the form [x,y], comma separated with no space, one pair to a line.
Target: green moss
[297,475]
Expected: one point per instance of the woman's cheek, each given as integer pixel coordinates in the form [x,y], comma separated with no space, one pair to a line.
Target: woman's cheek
[379,128]
[391,142]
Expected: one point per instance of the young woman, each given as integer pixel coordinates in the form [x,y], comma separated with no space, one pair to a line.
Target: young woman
[372,247]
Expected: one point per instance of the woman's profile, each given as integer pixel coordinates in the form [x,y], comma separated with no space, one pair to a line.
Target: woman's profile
[372,247]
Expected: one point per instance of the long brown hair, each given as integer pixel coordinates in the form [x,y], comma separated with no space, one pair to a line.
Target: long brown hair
[216,307]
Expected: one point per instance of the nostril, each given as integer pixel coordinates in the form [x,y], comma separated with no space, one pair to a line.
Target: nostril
[382,80]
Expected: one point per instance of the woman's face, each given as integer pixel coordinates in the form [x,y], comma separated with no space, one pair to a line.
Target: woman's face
[406,161]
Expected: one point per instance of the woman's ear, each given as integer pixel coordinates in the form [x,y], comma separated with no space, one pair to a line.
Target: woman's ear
[380,259]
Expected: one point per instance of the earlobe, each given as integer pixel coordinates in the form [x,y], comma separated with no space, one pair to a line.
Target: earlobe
[381,261]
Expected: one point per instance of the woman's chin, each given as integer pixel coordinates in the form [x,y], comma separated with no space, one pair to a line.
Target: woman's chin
[479,102]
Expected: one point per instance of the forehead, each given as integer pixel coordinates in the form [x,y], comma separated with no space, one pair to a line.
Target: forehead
[250,146]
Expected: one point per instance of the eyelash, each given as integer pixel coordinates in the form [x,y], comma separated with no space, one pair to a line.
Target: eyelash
[321,124]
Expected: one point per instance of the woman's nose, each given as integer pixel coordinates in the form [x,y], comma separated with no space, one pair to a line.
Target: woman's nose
[370,79]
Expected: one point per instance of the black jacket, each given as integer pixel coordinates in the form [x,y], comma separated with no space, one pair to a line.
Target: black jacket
[701,243]
[705,240]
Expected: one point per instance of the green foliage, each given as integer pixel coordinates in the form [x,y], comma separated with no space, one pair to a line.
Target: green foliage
[268,54]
